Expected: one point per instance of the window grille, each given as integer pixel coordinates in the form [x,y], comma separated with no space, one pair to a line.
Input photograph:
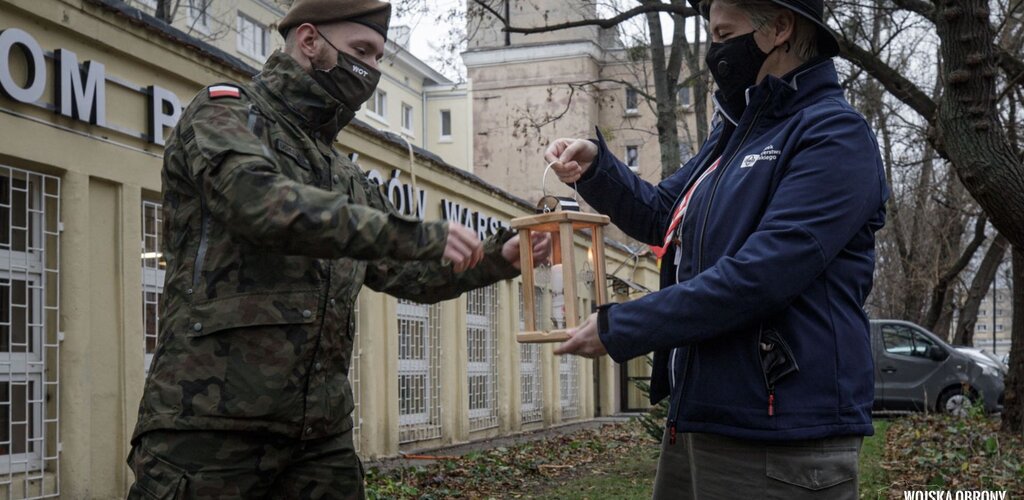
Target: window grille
[29,334]
[568,378]
[481,328]
[419,402]
[353,375]
[153,268]
[531,394]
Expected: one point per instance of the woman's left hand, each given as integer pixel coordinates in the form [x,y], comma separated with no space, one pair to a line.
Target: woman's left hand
[584,340]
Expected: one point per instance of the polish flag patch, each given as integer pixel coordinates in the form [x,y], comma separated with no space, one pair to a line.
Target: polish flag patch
[218,91]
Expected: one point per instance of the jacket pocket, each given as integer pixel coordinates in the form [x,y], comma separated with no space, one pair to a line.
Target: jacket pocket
[253,309]
[796,470]
[777,361]
[155,479]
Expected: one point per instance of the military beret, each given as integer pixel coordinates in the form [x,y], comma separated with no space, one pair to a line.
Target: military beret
[371,13]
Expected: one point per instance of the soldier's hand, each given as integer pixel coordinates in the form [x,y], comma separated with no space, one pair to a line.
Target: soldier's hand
[570,158]
[464,249]
[541,250]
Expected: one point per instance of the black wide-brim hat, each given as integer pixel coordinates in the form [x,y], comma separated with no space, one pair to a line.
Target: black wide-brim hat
[814,10]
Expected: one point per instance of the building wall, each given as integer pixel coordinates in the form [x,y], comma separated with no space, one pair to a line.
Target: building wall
[560,84]
[994,316]
[221,28]
[94,338]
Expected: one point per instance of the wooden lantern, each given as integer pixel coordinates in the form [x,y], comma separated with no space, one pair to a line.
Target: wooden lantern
[563,225]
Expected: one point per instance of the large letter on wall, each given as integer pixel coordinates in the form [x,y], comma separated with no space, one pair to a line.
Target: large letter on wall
[36,84]
[164,111]
[82,102]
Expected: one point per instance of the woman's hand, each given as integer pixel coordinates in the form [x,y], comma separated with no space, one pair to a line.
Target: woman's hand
[570,158]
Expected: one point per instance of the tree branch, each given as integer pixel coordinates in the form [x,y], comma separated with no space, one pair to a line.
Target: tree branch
[493,12]
[942,286]
[902,88]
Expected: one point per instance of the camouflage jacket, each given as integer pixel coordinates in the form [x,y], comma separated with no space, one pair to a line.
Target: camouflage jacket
[269,234]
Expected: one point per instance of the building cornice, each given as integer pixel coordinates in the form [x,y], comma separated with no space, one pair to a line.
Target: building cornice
[532,53]
[405,57]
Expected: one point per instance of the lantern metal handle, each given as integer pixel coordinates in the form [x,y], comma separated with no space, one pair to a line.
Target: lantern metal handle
[544,186]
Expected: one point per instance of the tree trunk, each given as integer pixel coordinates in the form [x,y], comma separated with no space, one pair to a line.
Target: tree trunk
[1013,406]
[664,90]
[968,124]
[964,334]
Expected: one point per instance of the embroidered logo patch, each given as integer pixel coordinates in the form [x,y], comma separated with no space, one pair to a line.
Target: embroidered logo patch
[218,91]
[770,153]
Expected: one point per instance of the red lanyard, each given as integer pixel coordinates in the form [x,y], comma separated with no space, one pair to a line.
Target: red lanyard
[680,213]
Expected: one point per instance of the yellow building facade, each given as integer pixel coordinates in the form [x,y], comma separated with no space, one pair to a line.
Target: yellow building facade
[88,90]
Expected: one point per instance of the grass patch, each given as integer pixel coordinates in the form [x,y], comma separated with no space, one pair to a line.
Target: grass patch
[942,452]
[609,462]
[873,480]
[629,476]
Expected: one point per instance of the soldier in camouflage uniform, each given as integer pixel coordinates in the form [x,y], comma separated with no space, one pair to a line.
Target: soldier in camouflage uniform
[270,234]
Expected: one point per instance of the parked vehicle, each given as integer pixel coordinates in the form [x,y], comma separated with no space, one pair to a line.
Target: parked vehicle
[915,370]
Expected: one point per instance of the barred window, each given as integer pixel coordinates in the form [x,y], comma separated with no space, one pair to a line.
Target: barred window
[353,376]
[153,268]
[481,328]
[419,405]
[29,333]
[568,379]
[531,395]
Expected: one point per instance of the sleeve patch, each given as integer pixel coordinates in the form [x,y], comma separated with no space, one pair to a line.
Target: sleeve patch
[218,91]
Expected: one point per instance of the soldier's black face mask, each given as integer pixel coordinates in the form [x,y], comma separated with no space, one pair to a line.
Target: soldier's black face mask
[735,64]
[349,81]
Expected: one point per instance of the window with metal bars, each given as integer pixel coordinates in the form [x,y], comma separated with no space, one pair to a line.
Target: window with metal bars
[531,397]
[153,267]
[29,333]
[568,379]
[482,369]
[353,376]
[419,405]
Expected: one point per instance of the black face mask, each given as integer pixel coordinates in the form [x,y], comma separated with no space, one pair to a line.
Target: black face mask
[735,64]
[349,81]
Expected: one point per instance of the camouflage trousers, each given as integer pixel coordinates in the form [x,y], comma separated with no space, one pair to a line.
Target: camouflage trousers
[217,464]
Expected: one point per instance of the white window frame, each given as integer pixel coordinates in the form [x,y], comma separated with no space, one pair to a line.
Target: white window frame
[426,424]
[689,97]
[260,37]
[634,162]
[37,468]
[445,137]
[631,109]
[380,106]
[408,119]
[152,277]
[485,367]
[198,17]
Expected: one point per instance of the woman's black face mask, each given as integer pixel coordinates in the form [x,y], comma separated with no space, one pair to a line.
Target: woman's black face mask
[735,64]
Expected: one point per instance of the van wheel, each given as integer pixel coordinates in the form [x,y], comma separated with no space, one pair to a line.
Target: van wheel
[954,401]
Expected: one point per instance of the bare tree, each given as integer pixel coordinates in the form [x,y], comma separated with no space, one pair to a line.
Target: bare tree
[986,276]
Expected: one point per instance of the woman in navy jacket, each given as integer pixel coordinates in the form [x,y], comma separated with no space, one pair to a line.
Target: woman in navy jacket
[759,332]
